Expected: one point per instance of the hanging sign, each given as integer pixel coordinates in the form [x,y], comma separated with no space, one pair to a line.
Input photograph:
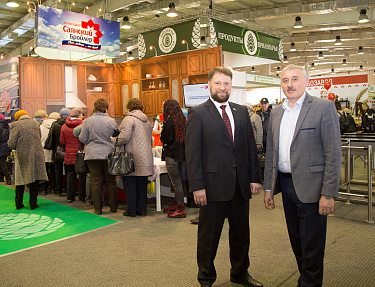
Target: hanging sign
[232,38]
[64,30]
[9,88]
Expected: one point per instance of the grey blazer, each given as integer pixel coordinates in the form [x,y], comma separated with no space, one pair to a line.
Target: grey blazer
[315,151]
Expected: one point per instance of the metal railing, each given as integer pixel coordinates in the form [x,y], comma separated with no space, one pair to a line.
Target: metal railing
[358,150]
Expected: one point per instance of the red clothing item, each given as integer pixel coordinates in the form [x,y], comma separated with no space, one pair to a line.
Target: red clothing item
[70,142]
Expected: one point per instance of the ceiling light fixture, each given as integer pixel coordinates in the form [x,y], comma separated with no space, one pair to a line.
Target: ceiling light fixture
[332,71]
[344,62]
[12,4]
[285,59]
[360,50]
[298,24]
[252,69]
[172,10]
[312,66]
[362,16]
[338,41]
[361,67]
[126,23]
[130,56]
[292,47]
[320,56]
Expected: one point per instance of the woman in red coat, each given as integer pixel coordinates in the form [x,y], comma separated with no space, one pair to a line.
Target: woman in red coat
[72,145]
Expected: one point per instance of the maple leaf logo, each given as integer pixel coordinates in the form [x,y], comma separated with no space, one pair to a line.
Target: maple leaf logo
[91,24]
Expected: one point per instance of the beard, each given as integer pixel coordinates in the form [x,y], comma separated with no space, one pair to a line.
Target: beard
[221,98]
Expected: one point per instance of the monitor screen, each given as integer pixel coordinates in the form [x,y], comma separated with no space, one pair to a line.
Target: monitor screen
[195,94]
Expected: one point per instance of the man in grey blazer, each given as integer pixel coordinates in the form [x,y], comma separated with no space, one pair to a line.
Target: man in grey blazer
[303,162]
[223,171]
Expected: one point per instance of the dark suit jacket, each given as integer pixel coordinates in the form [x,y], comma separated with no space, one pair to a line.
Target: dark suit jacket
[213,161]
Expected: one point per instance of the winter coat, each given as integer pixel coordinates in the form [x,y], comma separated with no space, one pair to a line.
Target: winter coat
[45,127]
[256,122]
[4,137]
[136,133]
[68,140]
[96,135]
[29,156]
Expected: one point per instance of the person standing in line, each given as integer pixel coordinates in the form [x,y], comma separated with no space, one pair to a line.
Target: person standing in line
[223,171]
[264,114]
[173,138]
[45,128]
[303,162]
[29,157]
[72,145]
[256,121]
[4,149]
[96,135]
[136,133]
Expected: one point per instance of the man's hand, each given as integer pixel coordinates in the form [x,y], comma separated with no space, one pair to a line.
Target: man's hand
[268,200]
[255,187]
[200,197]
[259,146]
[326,206]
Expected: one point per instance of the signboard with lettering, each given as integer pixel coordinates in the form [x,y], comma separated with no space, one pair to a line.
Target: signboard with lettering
[232,38]
[64,30]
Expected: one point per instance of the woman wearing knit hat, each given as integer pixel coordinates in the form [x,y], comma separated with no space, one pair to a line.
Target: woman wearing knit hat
[29,157]
[4,149]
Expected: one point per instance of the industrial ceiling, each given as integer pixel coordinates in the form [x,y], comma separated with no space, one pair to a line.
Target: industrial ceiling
[323,21]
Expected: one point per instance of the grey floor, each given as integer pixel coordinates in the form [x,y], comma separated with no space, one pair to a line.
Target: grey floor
[157,251]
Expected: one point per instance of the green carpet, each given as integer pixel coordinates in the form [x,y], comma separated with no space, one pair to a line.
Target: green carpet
[25,228]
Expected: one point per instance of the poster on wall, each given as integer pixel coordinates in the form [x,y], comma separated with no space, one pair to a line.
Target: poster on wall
[9,88]
[353,87]
[190,36]
[64,30]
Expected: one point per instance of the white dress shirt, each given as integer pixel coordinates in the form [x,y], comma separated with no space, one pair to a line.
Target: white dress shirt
[287,128]
[228,110]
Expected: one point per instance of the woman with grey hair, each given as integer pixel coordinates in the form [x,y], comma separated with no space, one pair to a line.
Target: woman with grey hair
[256,122]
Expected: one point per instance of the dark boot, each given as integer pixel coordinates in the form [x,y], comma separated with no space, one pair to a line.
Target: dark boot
[179,213]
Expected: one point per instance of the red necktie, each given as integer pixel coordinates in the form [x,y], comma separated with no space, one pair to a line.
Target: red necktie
[227,122]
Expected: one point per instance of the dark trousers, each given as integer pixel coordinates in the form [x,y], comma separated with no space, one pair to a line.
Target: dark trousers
[20,189]
[4,167]
[136,195]
[307,233]
[211,220]
[100,177]
[59,177]
[71,178]
[50,168]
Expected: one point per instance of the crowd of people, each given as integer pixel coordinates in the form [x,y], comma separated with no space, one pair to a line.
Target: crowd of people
[217,147]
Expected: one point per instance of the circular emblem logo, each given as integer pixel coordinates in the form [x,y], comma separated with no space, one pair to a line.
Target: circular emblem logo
[251,42]
[167,40]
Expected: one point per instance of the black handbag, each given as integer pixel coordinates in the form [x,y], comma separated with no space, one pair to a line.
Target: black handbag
[81,166]
[48,144]
[120,163]
[59,154]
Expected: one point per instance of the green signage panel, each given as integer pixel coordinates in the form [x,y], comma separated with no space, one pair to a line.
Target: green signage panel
[232,38]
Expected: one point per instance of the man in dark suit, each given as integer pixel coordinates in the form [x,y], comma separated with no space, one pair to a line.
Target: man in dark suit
[223,171]
[303,161]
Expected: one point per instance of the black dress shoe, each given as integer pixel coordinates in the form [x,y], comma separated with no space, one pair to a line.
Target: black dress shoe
[195,220]
[246,280]
[33,207]
[98,212]
[127,214]
[20,206]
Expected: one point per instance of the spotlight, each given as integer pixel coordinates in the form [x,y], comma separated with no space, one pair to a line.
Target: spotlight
[172,10]
[203,41]
[362,16]
[126,23]
[285,59]
[130,56]
[332,71]
[338,41]
[252,69]
[12,4]
[298,24]
[344,62]
[312,66]
[360,50]
[292,47]
[320,56]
